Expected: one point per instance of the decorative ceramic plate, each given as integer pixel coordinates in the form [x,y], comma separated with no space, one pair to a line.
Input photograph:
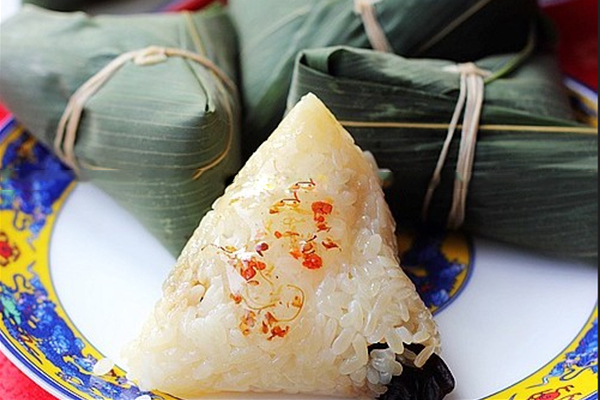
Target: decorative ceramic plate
[78,275]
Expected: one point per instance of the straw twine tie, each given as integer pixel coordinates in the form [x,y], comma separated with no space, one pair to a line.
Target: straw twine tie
[470,99]
[373,29]
[66,135]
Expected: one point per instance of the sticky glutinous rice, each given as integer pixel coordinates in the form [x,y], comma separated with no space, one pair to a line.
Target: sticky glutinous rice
[290,280]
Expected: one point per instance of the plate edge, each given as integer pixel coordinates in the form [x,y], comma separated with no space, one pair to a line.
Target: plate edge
[32,375]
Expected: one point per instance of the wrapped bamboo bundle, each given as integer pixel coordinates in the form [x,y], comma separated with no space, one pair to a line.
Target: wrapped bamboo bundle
[272,32]
[523,172]
[143,106]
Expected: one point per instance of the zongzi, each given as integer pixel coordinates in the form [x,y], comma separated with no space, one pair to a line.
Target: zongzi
[143,106]
[292,284]
[535,175]
[272,32]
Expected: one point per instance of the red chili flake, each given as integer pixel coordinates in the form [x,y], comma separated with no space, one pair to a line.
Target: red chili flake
[236,298]
[265,328]
[312,261]
[297,254]
[279,332]
[323,227]
[330,244]
[298,303]
[256,265]
[280,235]
[321,208]
[271,320]
[273,210]
[261,266]
[248,273]
[261,248]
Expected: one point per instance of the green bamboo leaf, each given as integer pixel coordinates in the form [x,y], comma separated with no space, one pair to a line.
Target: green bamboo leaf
[146,135]
[535,180]
[272,32]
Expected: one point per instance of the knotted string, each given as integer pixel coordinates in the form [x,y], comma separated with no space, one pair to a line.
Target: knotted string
[66,135]
[375,33]
[470,99]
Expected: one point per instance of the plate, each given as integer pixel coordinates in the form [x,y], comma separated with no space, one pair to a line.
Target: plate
[78,275]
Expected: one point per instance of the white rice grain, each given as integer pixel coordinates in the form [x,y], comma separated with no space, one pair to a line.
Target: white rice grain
[103,367]
[342,342]
[422,358]
[359,376]
[394,340]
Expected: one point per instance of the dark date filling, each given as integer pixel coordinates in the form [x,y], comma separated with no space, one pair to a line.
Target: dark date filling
[432,382]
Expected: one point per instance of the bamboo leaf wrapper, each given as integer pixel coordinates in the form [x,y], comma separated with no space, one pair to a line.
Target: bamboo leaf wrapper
[272,32]
[535,178]
[148,134]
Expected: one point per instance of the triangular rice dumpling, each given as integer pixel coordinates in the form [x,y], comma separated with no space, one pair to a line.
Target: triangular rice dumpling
[161,134]
[291,284]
